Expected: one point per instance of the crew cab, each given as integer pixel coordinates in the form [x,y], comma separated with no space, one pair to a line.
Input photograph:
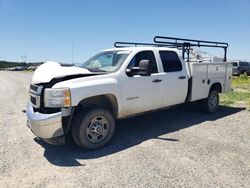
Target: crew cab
[241,67]
[85,100]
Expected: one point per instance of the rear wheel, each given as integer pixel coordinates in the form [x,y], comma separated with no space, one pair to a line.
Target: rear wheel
[211,103]
[93,129]
[245,73]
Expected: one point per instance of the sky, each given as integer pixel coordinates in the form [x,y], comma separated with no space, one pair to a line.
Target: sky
[45,30]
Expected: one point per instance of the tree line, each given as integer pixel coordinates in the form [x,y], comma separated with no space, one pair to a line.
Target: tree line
[8,64]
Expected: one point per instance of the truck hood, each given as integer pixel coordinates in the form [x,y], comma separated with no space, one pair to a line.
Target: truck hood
[49,70]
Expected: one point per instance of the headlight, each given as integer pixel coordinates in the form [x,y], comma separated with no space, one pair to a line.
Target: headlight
[55,98]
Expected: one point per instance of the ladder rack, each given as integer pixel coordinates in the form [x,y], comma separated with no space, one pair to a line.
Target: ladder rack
[184,44]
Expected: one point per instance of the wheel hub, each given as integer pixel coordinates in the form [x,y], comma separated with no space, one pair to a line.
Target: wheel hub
[96,128]
[213,102]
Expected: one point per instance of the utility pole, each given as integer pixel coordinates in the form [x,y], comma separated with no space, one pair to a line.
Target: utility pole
[23,58]
[73,46]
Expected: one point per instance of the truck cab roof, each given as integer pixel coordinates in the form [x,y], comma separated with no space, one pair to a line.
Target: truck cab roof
[139,48]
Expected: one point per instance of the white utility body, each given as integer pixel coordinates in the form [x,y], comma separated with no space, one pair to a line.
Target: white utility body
[214,72]
[117,83]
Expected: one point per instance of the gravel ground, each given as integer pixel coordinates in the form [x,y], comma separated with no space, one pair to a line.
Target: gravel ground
[179,147]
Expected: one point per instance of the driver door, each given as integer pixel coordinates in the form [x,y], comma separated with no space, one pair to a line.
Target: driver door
[142,93]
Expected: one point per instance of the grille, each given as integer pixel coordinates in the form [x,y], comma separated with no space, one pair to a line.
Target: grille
[33,100]
[33,87]
[35,95]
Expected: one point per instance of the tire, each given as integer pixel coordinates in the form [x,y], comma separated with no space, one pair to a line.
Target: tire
[93,129]
[211,103]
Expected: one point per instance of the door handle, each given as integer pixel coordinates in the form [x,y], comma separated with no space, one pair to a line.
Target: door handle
[156,80]
[182,77]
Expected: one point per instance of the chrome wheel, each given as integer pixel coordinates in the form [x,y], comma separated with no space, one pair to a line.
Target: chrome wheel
[97,129]
[213,102]
[93,129]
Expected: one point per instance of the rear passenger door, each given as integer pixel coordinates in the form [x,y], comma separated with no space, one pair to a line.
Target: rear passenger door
[175,79]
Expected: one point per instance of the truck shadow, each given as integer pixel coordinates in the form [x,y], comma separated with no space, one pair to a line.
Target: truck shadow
[133,131]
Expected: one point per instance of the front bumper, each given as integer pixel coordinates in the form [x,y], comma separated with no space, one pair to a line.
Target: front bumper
[45,126]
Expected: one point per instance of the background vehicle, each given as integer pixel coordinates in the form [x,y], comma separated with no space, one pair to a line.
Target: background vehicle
[122,82]
[241,67]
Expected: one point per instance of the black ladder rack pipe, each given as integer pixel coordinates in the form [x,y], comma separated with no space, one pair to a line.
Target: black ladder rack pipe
[160,39]
[187,43]
[128,44]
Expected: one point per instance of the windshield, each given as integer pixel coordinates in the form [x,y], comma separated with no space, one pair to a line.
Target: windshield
[107,61]
[235,64]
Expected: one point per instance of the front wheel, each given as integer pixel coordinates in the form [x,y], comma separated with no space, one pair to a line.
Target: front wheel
[211,103]
[93,129]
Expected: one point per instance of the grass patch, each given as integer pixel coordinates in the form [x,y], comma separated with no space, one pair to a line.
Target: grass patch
[241,94]
[241,80]
[235,96]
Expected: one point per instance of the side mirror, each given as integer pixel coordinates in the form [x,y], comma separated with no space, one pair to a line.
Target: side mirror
[144,69]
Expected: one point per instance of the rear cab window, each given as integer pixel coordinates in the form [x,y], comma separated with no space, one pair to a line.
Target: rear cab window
[170,61]
[244,64]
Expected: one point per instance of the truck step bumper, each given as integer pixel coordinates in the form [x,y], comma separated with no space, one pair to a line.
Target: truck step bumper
[44,126]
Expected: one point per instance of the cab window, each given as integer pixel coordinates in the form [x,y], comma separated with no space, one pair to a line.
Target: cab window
[235,64]
[170,61]
[243,64]
[144,55]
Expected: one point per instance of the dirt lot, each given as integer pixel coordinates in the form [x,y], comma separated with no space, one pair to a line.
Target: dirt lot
[179,147]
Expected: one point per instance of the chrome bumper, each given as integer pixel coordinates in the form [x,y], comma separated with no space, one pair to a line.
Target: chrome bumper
[44,125]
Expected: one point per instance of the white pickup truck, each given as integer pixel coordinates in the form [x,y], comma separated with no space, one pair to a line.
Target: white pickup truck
[85,100]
